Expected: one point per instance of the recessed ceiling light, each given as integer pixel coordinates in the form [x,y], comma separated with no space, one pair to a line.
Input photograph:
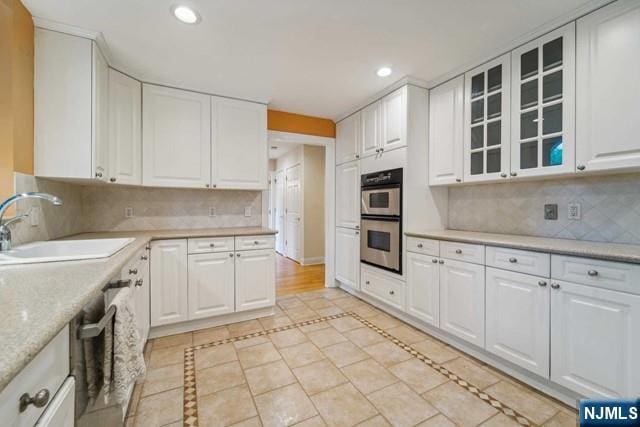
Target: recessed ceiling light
[383,72]
[185,14]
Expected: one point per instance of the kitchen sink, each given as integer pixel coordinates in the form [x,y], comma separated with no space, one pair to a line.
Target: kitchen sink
[63,250]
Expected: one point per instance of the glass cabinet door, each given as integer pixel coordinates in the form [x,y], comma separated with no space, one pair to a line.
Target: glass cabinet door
[543,75]
[487,101]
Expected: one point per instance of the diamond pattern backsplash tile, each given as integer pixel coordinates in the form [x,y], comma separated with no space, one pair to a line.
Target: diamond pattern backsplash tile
[610,208]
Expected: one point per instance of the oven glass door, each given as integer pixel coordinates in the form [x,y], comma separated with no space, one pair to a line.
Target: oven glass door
[380,243]
[381,201]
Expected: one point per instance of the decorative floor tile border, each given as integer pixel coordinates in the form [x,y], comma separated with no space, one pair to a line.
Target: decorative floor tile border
[190,414]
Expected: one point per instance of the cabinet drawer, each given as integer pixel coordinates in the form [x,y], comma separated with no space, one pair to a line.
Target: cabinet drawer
[383,288]
[423,246]
[617,276]
[535,263]
[244,243]
[210,244]
[462,252]
[47,370]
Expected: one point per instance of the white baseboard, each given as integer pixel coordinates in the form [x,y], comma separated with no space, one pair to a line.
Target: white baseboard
[313,260]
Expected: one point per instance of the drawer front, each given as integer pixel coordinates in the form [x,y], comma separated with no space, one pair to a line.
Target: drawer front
[462,252]
[423,246]
[47,370]
[245,243]
[528,262]
[617,276]
[383,288]
[210,244]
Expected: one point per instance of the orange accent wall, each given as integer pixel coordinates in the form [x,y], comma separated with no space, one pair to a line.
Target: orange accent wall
[16,93]
[297,123]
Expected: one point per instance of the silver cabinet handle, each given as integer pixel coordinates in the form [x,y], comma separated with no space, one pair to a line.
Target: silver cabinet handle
[39,400]
[138,282]
[212,245]
[112,179]
[357,232]
[542,283]
[458,179]
[420,245]
[255,242]
[133,271]
[231,254]
[238,255]
[98,174]
[581,167]
[503,175]
[435,261]
[357,227]
[207,185]
[148,247]
[357,156]
[215,185]
[441,261]
[592,273]
[514,174]
[555,286]
[513,260]
[144,257]
[458,251]
[377,150]
[392,292]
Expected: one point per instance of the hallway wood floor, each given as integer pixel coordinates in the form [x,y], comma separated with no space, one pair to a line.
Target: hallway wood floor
[292,277]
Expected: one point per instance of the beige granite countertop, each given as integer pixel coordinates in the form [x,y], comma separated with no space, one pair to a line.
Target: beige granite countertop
[598,250]
[38,300]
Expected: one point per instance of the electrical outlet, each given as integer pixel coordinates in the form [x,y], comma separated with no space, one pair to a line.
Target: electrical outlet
[551,212]
[34,216]
[212,211]
[247,211]
[574,211]
[128,212]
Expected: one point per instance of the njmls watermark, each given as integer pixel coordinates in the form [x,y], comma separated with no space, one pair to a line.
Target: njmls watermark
[610,412]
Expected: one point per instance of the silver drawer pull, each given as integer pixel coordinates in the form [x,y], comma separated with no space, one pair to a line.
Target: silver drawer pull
[238,255]
[231,255]
[255,242]
[592,273]
[144,257]
[392,292]
[513,260]
[367,282]
[420,245]
[133,271]
[555,286]
[441,261]
[138,282]
[458,251]
[542,283]
[435,261]
[39,400]
[212,245]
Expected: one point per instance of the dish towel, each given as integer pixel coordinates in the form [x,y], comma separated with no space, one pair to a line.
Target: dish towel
[93,352]
[124,361]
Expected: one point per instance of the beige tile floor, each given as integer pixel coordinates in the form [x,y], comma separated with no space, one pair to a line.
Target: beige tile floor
[337,372]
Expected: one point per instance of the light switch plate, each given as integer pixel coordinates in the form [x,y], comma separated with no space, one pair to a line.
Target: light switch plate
[212,211]
[247,211]
[574,211]
[128,212]
[551,211]
[34,216]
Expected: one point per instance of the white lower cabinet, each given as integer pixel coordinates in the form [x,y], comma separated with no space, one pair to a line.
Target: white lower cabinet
[255,279]
[61,410]
[211,284]
[594,340]
[348,256]
[517,328]
[462,306]
[169,282]
[423,287]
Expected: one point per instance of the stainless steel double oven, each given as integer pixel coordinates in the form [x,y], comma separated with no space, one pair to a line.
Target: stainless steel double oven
[381,220]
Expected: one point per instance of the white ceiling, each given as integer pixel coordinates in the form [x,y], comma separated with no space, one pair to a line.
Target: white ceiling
[315,57]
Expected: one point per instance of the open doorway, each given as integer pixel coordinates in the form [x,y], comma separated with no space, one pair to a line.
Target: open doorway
[297,211]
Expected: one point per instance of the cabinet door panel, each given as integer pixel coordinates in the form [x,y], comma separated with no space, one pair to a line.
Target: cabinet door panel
[446,133]
[168,282]
[594,341]
[462,306]
[211,284]
[239,155]
[176,138]
[423,287]
[255,279]
[100,115]
[518,319]
[348,139]
[393,108]
[348,195]
[607,88]
[370,130]
[348,257]
[61,411]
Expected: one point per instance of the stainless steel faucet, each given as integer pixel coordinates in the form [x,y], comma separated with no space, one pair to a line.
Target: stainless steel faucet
[5,232]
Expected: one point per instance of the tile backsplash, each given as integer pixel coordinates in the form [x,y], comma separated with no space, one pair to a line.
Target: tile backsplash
[610,208]
[89,208]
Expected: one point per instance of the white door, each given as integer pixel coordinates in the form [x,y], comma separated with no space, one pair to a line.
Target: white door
[348,256]
[293,212]
[594,340]
[348,195]
[543,104]
[211,284]
[487,111]
[518,319]
[255,279]
[279,212]
[348,139]
[607,88]
[393,109]
[176,138]
[271,197]
[423,287]
[169,282]
[239,149]
[462,300]
[125,129]
[100,115]
[370,130]
[61,411]
[446,124]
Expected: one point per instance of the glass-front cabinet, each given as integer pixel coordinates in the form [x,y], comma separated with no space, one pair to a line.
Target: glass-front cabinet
[543,105]
[486,131]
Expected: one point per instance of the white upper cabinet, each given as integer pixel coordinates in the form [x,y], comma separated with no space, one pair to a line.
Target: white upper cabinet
[176,138]
[348,195]
[446,133]
[543,103]
[486,121]
[607,88]
[125,129]
[423,287]
[393,120]
[239,149]
[370,130]
[348,139]
[70,107]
